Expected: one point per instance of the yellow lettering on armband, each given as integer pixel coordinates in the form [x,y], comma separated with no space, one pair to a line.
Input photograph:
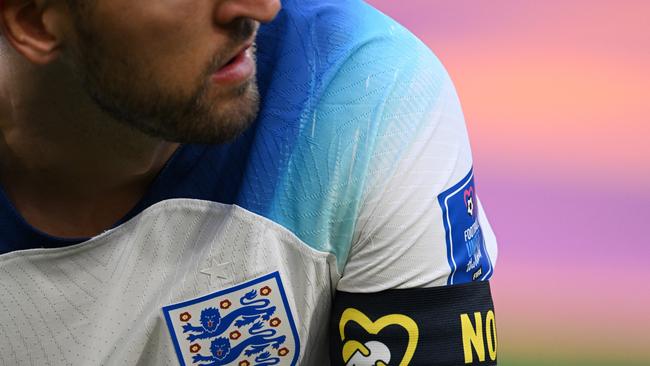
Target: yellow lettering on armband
[472,337]
[475,335]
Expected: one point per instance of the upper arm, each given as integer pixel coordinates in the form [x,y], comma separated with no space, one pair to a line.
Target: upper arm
[414,284]
[421,223]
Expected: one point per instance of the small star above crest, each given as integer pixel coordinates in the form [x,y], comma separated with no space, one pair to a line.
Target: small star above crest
[217,270]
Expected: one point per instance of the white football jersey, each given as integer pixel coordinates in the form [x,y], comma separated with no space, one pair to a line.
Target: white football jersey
[356,177]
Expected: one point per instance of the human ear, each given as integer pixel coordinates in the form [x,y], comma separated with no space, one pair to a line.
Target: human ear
[28,27]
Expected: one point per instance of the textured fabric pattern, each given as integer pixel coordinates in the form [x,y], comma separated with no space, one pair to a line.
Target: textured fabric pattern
[99,303]
[335,186]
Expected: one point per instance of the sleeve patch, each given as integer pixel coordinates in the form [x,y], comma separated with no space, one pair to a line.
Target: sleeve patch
[466,253]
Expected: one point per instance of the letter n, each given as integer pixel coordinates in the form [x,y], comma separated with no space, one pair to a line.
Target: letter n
[472,337]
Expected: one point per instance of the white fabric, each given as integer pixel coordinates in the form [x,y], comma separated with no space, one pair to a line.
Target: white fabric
[400,237]
[99,302]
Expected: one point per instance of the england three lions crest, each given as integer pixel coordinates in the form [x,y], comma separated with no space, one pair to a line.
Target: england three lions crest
[246,325]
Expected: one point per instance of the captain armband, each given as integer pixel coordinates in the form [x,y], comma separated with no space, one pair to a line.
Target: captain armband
[450,325]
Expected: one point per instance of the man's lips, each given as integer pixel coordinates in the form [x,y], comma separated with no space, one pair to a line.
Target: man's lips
[238,69]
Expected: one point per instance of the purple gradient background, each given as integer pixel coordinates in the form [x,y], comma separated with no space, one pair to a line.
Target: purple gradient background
[555,96]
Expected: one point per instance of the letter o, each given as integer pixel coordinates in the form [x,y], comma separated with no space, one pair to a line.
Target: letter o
[491,335]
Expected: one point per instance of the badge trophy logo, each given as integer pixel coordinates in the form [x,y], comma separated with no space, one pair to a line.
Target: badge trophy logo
[467,254]
[469,200]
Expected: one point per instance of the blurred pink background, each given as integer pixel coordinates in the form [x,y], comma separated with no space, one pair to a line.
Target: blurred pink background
[555,95]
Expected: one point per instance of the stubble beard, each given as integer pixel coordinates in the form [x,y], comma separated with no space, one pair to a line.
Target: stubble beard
[127,92]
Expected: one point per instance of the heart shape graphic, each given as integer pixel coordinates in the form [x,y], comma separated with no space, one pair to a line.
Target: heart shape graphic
[354,315]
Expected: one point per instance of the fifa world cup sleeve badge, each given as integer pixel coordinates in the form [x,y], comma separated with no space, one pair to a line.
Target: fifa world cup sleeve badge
[248,324]
[466,251]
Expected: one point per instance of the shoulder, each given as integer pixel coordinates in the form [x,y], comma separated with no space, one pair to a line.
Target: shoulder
[340,66]
[345,90]
[316,43]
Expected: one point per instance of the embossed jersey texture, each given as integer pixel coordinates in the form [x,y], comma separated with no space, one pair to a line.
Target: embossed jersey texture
[337,186]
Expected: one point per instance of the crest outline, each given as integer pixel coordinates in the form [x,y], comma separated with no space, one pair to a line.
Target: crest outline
[274,276]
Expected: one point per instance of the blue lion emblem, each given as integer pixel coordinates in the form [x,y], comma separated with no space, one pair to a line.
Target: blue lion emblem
[250,323]
[213,325]
[222,353]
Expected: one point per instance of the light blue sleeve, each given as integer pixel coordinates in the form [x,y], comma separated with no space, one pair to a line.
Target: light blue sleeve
[375,86]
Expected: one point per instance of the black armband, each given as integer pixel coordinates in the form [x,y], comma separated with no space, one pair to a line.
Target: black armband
[449,325]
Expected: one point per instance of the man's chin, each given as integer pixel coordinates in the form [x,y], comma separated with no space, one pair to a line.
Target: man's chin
[220,122]
[205,119]
[214,133]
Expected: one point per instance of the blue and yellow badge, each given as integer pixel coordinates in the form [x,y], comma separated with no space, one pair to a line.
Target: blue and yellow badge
[246,325]
[466,252]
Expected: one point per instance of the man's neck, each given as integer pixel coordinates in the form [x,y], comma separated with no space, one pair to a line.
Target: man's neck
[70,170]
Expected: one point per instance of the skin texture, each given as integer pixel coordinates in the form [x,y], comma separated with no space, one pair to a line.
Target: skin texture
[95,97]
